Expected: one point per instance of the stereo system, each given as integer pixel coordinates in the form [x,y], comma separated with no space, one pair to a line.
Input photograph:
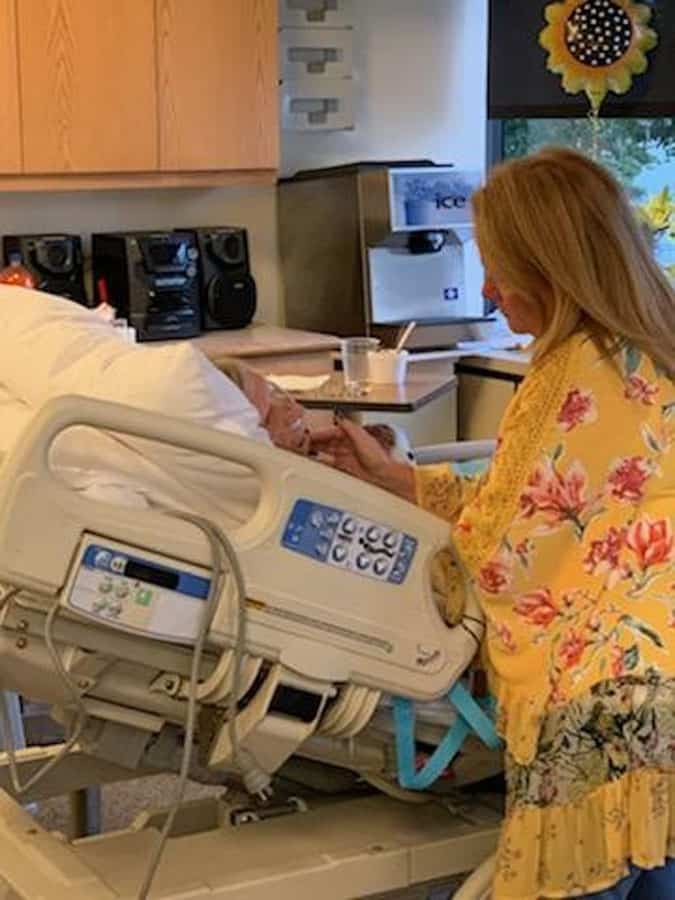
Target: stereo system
[167,284]
[54,260]
[228,289]
[152,279]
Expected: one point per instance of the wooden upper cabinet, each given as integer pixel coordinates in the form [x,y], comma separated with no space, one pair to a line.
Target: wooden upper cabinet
[137,92]
[88,85]
[218,76]
[10,141]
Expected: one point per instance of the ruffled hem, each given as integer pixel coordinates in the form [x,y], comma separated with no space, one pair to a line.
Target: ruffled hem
[587,846]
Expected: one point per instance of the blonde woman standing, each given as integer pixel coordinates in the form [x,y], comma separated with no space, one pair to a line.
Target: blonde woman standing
[569,536]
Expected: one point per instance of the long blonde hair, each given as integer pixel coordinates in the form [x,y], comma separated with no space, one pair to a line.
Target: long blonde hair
[559,228]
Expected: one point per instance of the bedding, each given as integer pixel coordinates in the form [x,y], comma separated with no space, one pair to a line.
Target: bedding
[50,347]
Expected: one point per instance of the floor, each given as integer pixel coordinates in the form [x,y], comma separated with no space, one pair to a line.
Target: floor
[121,803]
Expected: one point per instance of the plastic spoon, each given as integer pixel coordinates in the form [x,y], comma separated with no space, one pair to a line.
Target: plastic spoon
[407,331]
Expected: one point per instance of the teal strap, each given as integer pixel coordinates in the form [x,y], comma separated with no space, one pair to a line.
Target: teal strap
[475,714]
[471,716]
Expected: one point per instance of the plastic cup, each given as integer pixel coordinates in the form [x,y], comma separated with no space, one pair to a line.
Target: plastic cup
[388,366]
[355,356]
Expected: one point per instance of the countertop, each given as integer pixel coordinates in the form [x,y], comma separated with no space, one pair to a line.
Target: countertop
[509,362]
[259,341]
[263,340]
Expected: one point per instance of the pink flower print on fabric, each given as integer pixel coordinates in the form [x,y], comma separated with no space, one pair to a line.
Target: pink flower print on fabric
[603,556]
[505,637]
[523,551]
[557,496]
[628,477]
[651,540]
[578,409]
[616,661]
[572,649]
[537,607]
[495,576]
[638,388]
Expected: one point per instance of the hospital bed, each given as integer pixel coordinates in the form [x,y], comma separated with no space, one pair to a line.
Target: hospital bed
[164,642]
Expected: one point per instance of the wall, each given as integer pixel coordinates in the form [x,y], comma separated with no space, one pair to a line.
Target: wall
[420,72]
[420,92]
[88,211]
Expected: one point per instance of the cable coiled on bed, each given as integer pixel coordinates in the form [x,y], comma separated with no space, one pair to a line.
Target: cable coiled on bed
[255,780]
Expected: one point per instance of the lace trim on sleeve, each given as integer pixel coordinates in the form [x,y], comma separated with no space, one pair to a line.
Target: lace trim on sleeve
[484,521]
[441,491]
[438,490]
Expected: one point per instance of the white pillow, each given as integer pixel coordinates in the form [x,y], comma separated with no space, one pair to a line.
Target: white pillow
[14,416]
[50,347]
[34,348]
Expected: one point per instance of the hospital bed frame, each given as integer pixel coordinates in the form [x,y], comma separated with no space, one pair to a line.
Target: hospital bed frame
[337,848]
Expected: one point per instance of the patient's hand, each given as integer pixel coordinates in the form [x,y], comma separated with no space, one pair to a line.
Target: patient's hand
[351,449]
[286,423]
[281,415]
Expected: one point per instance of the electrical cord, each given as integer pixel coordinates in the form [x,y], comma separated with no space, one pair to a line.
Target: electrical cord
[471,590]
[256,781]
[71,687]
[222,551]
[211,602]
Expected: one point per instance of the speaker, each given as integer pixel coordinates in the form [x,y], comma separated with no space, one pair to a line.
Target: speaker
[55,261]
[228,291]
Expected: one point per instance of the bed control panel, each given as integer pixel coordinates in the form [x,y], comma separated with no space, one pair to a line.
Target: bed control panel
[346,540]
[135,590]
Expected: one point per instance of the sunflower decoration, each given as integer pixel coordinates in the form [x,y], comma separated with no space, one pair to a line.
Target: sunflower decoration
[597,45]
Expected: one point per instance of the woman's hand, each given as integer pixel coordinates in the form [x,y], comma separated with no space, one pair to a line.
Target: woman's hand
[351,449]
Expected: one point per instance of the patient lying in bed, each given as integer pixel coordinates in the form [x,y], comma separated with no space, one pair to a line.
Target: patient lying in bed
[50,347]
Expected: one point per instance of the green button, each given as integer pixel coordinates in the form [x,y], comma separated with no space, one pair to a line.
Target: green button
[143,598]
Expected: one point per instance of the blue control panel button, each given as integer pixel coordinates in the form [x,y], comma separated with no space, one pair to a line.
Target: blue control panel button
[345,540]
[102,559]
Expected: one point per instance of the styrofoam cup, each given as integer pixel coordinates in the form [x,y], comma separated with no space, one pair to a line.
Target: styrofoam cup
[388,366]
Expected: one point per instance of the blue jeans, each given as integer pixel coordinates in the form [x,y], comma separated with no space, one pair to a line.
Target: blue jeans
[654,884]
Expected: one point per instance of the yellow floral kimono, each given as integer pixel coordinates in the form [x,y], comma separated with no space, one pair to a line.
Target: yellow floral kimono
[569,539]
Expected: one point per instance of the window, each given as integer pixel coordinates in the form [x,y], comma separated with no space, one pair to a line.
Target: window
[640,152]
